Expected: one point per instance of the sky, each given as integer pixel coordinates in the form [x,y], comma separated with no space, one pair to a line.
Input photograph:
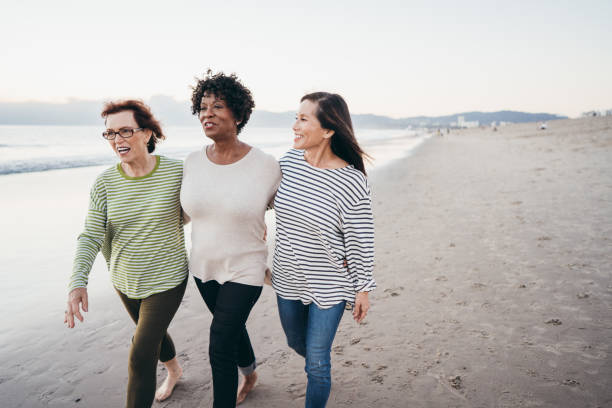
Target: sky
[392,58]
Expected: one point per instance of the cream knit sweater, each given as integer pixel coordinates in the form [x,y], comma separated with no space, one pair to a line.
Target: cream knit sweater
[226,204]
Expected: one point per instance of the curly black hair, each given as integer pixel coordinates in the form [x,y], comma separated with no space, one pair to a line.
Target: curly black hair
[229,88]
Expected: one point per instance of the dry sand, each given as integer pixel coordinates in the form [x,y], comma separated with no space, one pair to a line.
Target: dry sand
[494,257]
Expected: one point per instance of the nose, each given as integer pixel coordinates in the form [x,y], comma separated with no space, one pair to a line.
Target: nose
[206,112]
[295,125]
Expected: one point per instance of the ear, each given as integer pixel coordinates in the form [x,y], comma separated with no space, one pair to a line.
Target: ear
[151,134]
[328,134]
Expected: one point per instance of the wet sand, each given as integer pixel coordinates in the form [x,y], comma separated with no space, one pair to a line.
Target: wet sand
[494,263]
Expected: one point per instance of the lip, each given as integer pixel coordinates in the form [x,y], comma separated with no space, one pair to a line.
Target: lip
[123,150]
[208,124]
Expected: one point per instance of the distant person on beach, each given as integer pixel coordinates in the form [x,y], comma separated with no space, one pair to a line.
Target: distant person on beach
[227,187]
[324,254]
[135,220]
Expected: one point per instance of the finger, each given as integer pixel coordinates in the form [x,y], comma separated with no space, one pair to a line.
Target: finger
[356,311]
[362,315]
[75,309]
[85,302]
[69,317]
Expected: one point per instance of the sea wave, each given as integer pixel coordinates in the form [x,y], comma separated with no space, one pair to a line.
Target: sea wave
[36,165]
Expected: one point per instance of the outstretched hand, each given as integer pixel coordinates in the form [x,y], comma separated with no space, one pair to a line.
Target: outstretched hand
[77,300]
[362,305]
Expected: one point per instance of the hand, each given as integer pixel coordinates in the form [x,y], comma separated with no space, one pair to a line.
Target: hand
[268,277]
[77,297]
[362,305]
[265,232]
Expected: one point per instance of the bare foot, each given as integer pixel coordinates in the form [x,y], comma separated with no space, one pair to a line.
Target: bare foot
[174,374]
[247,385]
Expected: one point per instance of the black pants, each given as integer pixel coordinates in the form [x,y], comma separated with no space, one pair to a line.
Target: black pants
[229,345]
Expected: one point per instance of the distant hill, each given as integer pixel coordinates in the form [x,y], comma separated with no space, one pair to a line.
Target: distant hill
[176,113]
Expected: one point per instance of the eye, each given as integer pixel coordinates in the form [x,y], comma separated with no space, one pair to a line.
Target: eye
[217,106]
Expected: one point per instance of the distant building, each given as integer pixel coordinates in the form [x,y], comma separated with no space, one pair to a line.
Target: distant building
[462,123]
[591,113]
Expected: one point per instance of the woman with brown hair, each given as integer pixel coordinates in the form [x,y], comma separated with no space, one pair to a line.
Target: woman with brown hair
[324,254]
[135,220]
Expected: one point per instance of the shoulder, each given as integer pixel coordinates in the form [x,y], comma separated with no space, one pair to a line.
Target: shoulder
[99,187]
[170,162]
[107,175]
[356,182]
[266,160]
[169,169]
[193,156]
[292,156]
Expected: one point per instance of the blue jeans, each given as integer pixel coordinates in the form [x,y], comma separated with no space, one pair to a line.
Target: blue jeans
[310,331]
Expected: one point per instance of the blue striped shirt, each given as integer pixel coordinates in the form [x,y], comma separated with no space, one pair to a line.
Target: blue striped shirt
[323,217]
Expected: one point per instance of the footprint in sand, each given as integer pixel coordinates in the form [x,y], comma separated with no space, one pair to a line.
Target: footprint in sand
[394,291]
[379,379]
[554,322]
[455,382]
[296,390]
[478,285]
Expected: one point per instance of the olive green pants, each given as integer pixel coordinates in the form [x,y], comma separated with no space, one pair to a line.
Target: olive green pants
[152,316]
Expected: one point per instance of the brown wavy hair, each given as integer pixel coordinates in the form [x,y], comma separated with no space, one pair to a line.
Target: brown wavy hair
[143,116]
[333,114]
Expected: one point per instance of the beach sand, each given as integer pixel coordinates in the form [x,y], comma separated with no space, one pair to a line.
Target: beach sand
[493,263]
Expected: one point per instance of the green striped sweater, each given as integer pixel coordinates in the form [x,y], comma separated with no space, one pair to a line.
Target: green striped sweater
[136,222]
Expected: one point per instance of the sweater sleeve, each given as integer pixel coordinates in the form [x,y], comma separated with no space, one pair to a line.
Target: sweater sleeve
[91,239]
[358,228]
[276,177]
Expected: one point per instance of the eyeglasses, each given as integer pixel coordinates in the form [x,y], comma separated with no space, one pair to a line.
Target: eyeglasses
[124,133]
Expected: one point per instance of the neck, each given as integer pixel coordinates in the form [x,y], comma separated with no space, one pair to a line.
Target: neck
[227,146]
[321,156]
[140,166]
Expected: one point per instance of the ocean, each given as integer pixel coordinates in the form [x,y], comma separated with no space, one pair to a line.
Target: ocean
[26,149]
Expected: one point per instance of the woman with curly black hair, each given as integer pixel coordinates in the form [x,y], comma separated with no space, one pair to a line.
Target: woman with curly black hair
[227,187]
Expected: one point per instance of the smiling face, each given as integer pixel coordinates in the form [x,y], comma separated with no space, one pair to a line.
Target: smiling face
[307,129]
[217,118]
[133,148]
